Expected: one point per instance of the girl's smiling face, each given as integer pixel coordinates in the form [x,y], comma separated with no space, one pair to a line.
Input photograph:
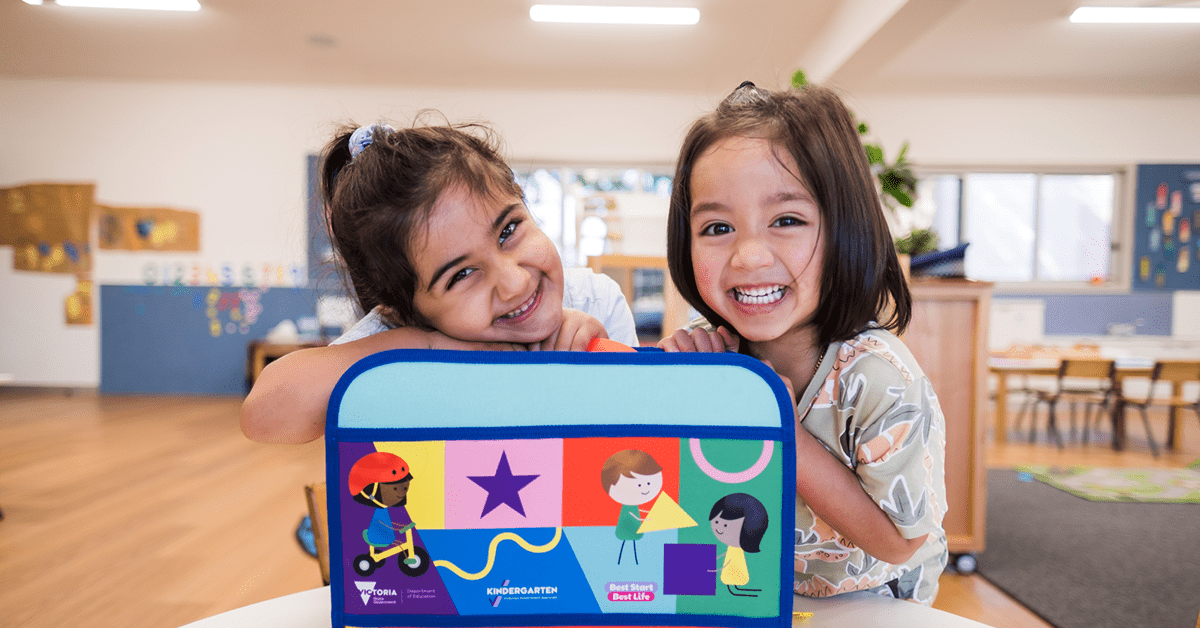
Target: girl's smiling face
[756,238]
[393,494]
[486,272]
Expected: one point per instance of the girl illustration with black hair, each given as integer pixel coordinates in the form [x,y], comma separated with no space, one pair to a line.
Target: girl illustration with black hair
[739,521]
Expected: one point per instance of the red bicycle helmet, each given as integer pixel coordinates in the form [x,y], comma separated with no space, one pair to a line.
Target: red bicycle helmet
[378,466]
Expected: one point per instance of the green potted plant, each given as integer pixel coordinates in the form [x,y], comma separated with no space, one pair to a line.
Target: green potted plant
[917,241]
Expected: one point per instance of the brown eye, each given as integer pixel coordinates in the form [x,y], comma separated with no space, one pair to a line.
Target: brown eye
[459,276]
[716,229]
[509,230]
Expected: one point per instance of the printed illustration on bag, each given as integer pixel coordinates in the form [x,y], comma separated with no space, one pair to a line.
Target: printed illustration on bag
[525,526]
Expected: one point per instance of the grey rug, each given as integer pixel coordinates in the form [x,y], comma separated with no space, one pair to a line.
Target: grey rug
[1083,564]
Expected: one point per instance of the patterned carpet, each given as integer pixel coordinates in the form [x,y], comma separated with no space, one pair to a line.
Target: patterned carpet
[1104,484]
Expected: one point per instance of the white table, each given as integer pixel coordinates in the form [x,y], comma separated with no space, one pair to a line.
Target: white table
[310,609]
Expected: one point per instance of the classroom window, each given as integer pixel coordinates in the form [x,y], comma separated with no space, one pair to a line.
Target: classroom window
[1029,227]
[596,211]
[599,211]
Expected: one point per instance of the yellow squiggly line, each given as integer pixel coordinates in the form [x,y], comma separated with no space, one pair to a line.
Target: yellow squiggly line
[511,536]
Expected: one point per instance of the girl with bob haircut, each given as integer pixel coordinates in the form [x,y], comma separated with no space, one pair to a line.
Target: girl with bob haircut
[440,252]
[776,235]
[739,521]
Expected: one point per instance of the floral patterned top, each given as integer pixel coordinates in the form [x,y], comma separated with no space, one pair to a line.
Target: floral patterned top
[873,408]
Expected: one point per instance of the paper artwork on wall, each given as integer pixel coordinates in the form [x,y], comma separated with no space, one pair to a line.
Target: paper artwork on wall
[47,225]
[148,229]
[78,306]
[179,273]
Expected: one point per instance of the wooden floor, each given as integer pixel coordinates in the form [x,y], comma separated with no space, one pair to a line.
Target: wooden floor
[155,511]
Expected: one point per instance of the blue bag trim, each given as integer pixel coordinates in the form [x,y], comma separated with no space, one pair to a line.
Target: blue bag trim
[499,432]
[783,435]
[566,619]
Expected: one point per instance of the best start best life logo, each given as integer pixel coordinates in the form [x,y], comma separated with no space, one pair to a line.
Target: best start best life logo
[631,591]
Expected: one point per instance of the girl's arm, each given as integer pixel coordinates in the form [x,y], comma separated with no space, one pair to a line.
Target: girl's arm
[288,401]
[835,495]
[833,492]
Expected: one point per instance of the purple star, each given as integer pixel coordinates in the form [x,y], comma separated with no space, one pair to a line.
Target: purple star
[502,488]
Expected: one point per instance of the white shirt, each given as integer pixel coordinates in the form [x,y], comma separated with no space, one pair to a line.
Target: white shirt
[593,293]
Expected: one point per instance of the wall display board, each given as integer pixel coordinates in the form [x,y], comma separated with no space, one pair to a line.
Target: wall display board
[182,339]
[148,229]
[1166,213]
[47,224]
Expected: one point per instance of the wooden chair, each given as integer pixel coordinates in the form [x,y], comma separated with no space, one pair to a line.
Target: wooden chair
[1027,390]
[1091,381]
[1030,394]
[314,494]
[1177,373]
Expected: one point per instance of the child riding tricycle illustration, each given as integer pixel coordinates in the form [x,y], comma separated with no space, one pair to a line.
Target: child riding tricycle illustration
[380,480]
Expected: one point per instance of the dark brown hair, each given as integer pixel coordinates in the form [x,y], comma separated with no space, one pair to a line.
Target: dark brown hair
[377,201]
[861,278]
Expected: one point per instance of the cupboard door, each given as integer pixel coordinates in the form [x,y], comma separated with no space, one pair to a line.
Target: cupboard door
[948,337]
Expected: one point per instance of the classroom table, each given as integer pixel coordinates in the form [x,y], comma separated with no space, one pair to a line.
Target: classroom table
[311,609]
[1003,368]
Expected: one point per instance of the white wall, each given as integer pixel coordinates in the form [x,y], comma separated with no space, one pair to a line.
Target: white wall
[236,154]
[1038,130]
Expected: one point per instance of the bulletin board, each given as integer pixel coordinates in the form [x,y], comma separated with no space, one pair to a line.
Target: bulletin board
[187,339]
[1166,213]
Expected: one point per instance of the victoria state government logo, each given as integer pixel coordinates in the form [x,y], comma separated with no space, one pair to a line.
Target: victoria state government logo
[369,593]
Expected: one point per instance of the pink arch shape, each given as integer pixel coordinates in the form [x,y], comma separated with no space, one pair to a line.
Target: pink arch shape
[731,478]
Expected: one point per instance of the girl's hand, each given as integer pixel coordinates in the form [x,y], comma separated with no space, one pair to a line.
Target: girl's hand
[787,383]
[574,334]
[700,340]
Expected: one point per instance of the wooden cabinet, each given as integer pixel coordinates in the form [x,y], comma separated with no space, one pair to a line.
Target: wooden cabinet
[948,336]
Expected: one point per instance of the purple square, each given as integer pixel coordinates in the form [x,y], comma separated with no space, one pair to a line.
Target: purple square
[688,569]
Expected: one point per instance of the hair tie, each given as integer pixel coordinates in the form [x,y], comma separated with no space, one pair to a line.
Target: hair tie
[363,136]
[745,94]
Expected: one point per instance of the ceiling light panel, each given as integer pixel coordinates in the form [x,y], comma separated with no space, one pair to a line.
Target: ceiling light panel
[149,5]
[1136,15]
[613,15]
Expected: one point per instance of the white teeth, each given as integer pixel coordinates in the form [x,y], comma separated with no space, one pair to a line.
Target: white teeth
[521,310]
[758,296]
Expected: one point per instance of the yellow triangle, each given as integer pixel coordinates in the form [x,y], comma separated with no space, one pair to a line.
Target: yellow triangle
[665,514]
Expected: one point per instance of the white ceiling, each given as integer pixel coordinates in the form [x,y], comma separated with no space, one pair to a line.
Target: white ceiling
[862,46]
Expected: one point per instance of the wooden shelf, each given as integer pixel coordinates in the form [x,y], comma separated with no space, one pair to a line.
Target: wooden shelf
[948,336]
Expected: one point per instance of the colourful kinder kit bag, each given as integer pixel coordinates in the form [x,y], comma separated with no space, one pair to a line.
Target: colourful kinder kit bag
[560,489]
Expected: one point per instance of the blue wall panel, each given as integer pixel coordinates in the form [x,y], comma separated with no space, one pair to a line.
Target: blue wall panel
[187,340]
